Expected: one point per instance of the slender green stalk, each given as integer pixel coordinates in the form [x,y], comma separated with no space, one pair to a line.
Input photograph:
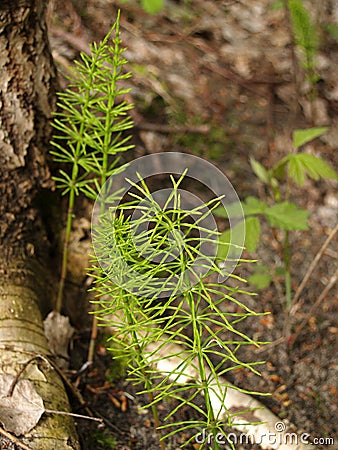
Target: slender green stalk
[105,152]
[70,185]
[287,266]
[90,122]
[197,336]
[68,230]
[306,38]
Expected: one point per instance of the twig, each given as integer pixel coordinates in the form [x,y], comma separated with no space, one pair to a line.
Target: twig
[24,367]
[329,286]
[80,416]
[270,345]
[74,391]
[290,312]
[14,439]
[313,266]
[108,422]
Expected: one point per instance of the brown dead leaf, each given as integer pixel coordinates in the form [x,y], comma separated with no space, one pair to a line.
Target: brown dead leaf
[21,411]
[58,332]
[124,403]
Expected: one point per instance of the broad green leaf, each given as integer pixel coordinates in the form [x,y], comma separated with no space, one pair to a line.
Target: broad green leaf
[303,164]
[252,233]
[152,6]
[287,216]
[224,241]
[301,137]
[252,205]
[296,171]
[260,280]
[260,171]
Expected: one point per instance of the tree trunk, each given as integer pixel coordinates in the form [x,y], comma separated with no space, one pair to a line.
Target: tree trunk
[27,97]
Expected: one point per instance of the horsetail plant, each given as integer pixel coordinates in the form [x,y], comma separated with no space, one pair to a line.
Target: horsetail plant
[91,119]
[154,296]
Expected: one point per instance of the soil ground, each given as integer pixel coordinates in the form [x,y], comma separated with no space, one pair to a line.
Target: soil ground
[229,67]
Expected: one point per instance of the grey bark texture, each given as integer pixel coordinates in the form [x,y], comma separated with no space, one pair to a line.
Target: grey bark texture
[27,98]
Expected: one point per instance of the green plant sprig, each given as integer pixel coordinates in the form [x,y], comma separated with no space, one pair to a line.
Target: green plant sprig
[89,125]
[306,37]
[279,212]
[135,256]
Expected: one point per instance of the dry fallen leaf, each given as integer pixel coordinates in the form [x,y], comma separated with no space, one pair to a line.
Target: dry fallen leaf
[21,411]
[58,332]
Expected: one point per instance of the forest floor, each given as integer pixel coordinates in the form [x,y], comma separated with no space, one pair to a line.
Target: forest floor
[229,67]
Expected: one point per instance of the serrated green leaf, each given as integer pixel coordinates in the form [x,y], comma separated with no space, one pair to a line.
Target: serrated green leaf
[260,280]
[302,164]
[317,166]
[253,205]
[260,171]
[296,171]
[301,137]
[252,233]
[152,6]
[287,216]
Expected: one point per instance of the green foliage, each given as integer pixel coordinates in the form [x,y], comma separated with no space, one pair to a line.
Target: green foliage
[261,278]
[150,6]
[306,36]
[153,256]
[301,137]
[260,171]
[299,165]
[286,216]
[279,213]
[91,119]
[263,275]
[103,439]
[276,5]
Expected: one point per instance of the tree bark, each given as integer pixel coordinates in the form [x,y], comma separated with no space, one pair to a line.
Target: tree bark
[27,97]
